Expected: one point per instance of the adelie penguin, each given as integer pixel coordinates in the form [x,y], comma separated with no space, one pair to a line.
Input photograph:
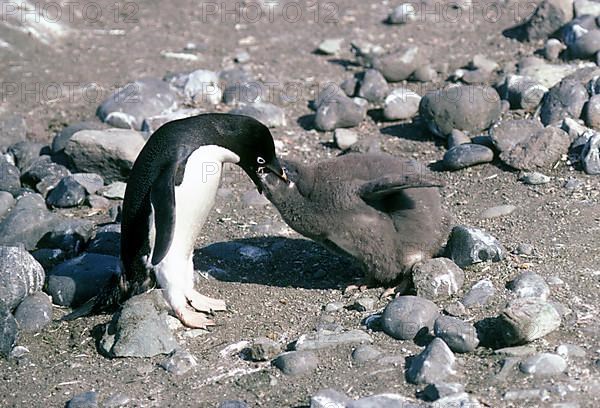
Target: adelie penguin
[382,211]
[170,192]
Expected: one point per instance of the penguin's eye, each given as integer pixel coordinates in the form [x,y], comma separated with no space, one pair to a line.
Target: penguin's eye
[260,160]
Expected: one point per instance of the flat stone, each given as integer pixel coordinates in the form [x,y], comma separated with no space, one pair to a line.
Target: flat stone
[366,352]
[179,362]
[296,362]
[324,339]
[407,316]
[498,211]
[543,364]
[467,155]
[534,178]
[331,46]
[517,351]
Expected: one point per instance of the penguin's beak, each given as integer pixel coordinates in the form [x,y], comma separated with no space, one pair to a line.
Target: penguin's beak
[276,169]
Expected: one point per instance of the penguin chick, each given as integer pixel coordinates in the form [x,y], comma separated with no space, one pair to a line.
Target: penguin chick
[170,192]
[380,210]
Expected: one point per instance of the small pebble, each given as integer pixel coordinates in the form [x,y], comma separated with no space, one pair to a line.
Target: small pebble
[331,46]
[524,249]
[334,307]
[344,138]
[366,352]
[179,362]
[534,178]
[401,104]
[437,278]
[403,14]
[498,211]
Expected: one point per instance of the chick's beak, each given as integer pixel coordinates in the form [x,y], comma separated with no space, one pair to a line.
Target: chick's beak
[277,170]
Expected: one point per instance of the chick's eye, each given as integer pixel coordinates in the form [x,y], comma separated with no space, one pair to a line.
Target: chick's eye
[260,160]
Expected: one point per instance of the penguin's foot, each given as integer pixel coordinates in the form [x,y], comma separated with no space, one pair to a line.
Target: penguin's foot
[204,303]
[396,290]
[361,287]
[192,319]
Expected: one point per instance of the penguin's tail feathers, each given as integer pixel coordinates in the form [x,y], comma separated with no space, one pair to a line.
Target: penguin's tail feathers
[84,310]
[106,300]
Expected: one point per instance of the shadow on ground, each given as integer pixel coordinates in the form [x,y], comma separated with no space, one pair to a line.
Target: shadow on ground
[276,261]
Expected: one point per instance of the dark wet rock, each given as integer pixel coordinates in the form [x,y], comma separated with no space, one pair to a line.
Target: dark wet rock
[268,114]
[522,92]
[34,312]
[460,336]
[139,328]
[9,177]
[366,352]
[586,46]
[509,133]
[325,339]
[437,278]
[107,240]
[543,364]
[590,155]
[339,111]
[401,104]
[398,65]
[464,107]
[13,129]
[20,275]
[9,331]
[434,364]
[467,155]
[60,140]
[467,246]
[110,152]
[48,257]
[88,399]
[42,169]
[179,362]
[527,319]
[75,281]
[540,151]
[25,153]
[263,349]
[372,86]
[91,182]
[329,398]
[68,193]
[6,202]
[549,16]
[128,106]
[296,362]
[68,234]
[563,100]
[479,294]
[529,284]
[27,222]
[407,316]
[591,114]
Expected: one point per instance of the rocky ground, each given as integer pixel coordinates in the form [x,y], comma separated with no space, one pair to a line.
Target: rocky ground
[500,98]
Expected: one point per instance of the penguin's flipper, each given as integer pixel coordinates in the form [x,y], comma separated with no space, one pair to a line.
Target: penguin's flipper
[392,184]
[162,197]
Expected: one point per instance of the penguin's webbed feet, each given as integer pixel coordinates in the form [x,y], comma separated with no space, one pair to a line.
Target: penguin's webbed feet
[192,319]
[204,303]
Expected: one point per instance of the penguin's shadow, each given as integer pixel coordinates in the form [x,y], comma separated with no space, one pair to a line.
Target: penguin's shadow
[276,261]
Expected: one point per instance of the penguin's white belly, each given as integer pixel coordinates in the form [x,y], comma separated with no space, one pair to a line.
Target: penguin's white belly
[194,198]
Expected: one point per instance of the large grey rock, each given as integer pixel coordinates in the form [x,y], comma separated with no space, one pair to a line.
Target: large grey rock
[401,104]
[373,86]
[434,364]
[437,278]
[28,221]
[468,108]
[110,152]
[527,319]
[60,140]
[34,312]
[25,153]
[509,133]
[339,111]
[398,65]
[6,202]
[139,328]
[460,336]
[587,45]
[128,106]
[68,193]
[20,275]
[9,331]
[268,114]
[107,240]
[563,100]
[75,281]
[296,362]
[9,177]
[540,151]
[548,17]
[522,92]
[530,284]
[467,246]
[407,316]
